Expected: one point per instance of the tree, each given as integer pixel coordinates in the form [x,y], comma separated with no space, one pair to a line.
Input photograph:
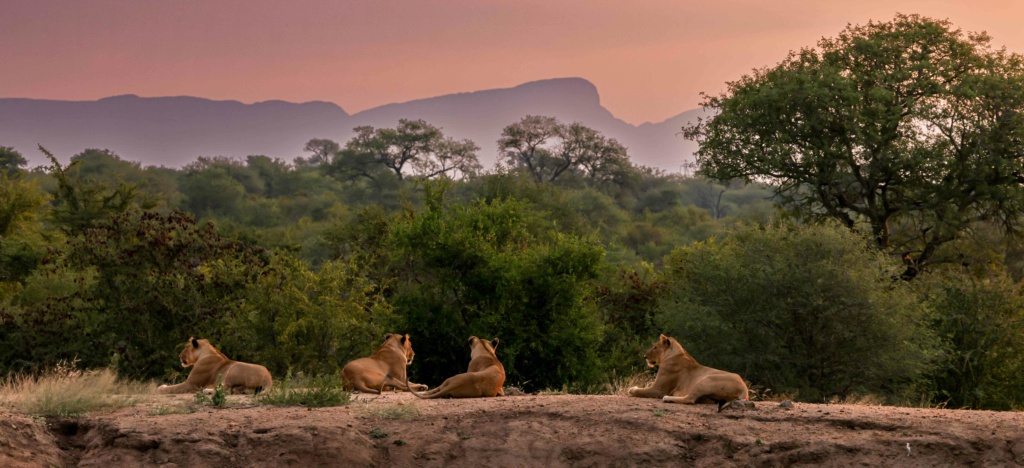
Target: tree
[451,157]
[10,160]
[522,144]
[80,204]
[909,127]
[547,149]
[323,151]
[415,144]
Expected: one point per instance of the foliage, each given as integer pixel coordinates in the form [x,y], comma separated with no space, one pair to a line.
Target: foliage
[415,146]
[21,243]
[909,127]
[791,307]
[81,203]
[981,324]
[218,398]
[629,302]
[312,392]
[303,266]
[11,161]
[546,149]
[142,283]
[488,269]
[309,321]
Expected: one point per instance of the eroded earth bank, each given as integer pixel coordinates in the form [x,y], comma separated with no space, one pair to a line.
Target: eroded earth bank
[529,430]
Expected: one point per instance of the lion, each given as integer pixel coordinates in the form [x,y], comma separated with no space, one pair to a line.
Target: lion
[681,379]
[371,374]
[208,364]
[484,378]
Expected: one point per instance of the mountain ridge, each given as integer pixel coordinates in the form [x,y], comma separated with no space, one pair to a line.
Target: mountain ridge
[175,130]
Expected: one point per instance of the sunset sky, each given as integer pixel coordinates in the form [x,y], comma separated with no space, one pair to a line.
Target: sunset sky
[649,59]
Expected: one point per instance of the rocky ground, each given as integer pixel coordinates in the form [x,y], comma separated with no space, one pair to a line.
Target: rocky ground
[529,430]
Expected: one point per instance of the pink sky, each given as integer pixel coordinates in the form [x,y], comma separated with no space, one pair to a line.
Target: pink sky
[649,59]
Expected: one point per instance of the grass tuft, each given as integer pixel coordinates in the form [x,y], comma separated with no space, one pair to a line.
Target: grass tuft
[313,392]
[857,399]
[620,385]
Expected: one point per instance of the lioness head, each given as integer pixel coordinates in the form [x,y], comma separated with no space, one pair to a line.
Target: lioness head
[478,347]
[657,351]
[190,354]
[404,343]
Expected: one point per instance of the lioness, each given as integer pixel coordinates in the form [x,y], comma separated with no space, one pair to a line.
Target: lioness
[209,363]
[484,378]
[368,374]
[681,379]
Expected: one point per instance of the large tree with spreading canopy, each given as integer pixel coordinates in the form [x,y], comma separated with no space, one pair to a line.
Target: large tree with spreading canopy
[911,128]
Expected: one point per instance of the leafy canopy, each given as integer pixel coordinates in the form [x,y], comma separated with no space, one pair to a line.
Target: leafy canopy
[909,127]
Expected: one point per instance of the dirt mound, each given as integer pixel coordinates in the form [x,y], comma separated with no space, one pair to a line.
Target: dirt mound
[27,442]
[563,430]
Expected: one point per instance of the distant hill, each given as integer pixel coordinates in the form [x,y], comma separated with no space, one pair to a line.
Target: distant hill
[174,131]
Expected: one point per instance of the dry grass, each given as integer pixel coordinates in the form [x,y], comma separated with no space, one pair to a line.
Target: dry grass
[620,385]
[760,393]
[65,391]
[856,399]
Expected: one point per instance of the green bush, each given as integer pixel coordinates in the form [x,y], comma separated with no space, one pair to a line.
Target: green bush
[314,392]
[136,285]
[495,269]
[980,321]
[811,309]
[310,321]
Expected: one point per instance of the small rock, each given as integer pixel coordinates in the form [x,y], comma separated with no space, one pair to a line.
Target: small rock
[786,404]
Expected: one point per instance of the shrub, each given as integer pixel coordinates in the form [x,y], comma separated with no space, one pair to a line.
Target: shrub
[493,269]
[981,324]
[313,392]
[811,309]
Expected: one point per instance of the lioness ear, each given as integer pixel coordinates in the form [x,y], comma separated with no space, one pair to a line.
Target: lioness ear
[195,343]
[404,338]
[664,339]
[494,343]
[386,336]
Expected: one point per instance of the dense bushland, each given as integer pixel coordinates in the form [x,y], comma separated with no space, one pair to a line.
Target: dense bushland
[891,265]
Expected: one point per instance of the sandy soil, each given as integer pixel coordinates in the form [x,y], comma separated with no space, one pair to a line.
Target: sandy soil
[395,429]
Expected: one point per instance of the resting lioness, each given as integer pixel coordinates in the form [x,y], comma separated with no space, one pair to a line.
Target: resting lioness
[368,374]
[484,378]
[681,379]
[209,364]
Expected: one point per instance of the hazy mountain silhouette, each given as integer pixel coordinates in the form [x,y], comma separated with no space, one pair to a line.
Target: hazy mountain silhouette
[173,131]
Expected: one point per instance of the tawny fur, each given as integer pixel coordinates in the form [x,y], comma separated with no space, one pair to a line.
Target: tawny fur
[368,374]
[209,363]
[484,378]
[681,379]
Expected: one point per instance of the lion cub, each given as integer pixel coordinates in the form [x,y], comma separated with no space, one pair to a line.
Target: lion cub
[368,374]
[208,363]
[484,378]
[681,379]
